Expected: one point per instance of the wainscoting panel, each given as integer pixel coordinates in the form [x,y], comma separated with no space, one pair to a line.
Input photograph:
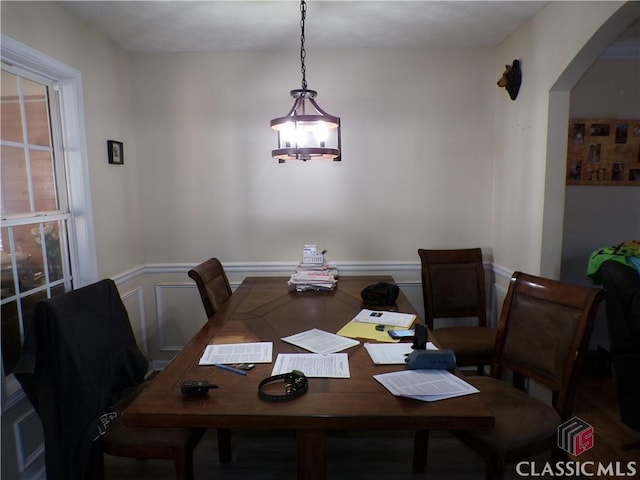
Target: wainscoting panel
[134,303]
[180,314]
[499,286]
[28,432]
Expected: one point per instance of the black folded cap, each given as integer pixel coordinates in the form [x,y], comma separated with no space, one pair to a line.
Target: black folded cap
[380,294]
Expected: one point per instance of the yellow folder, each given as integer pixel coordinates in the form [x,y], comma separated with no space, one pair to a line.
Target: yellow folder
[366,330]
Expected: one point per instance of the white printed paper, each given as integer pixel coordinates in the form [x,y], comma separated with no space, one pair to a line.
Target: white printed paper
[425,385]
[392,353]
[319,341]
[225,353]
[385,318]
[335,365]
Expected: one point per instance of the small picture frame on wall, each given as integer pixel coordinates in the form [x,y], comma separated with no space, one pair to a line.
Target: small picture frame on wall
[116,152]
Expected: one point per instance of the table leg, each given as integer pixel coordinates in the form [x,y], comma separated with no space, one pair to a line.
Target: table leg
[311,454]
[420,447]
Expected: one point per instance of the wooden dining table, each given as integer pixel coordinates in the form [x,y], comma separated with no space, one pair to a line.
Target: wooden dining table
[264,309]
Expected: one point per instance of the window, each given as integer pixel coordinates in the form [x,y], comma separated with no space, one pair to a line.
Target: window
[33,241]
[46,243]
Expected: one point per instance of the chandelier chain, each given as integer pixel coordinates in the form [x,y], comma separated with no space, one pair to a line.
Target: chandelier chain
[303,52]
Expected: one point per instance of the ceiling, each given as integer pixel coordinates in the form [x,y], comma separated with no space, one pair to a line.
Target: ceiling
[192,26]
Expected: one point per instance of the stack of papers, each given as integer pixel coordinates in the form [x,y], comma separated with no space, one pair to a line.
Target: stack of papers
[312,280]
[313,273]
[425,385]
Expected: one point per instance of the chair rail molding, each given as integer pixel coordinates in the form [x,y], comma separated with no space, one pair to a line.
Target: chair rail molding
[502,279]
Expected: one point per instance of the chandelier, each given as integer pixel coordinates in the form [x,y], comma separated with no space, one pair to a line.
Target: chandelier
[307,132]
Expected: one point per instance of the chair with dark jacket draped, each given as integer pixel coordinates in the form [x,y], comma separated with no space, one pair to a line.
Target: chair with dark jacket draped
[79,366]
[622,284]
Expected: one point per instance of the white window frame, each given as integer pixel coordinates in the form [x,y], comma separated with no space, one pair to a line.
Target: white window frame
[81,233]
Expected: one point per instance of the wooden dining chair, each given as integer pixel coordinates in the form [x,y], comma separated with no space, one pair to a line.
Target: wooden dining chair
[542,337]
[215,290]
[81,365]
[453,287]
[212,283]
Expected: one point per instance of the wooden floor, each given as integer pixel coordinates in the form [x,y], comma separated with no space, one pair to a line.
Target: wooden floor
[596,404]
[386,455]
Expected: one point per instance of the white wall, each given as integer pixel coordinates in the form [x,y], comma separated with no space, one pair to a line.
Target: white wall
[529,178]
[417,155]
[416,169]
[48,28]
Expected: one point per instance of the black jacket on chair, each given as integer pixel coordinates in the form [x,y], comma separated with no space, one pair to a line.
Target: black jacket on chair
[622,284]
[79,356]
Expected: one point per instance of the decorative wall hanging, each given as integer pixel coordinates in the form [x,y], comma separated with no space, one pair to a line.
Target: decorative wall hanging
[115,151]
[511,79]
[603,152]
